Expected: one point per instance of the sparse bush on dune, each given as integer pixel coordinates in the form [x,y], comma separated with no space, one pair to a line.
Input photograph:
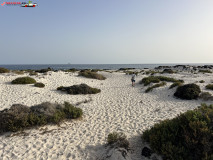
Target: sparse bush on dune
[93,75]
[176,84]
[33,73]
[170,71]
[205,71]
[71,70]
[118,140]
[24,80]
[79,89]
[18,72]
[20,117]
[155,86]
[206,96]
[131,72]
[44,70]
[188,91]
[202,81]
[209,86]
[40,85]
[156,79]
[186,137]
[4,70]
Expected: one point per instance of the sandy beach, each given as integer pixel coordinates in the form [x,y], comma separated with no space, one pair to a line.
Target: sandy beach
[119,107]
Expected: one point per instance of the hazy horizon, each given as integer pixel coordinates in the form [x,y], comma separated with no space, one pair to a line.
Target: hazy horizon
[108,32]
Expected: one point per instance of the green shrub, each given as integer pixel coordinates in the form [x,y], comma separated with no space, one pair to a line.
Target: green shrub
[71,70]
[147,80]
[209,86]
[71,111]
[175,84]
[4,70]
[79,89]
[155,86]
[156,79]
[131,72]
[186,137]
[20,117]
[205,71]
[93,75]
[188,91]
[170,71]
[32,73]
[40,85]
[18,72]
[24,80]
[118,139]
[202,81]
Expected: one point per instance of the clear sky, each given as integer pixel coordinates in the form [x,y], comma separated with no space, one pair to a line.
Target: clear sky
[107,31]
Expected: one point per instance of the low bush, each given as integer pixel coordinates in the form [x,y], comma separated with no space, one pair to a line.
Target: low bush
[71,70]
[186,137]
[44,70]
[170,71]
[24,80]
[79,89]
[4,70]
[155,86]
[118,139]
[188,91]
[131,72]
[18,72]
[40,85]
[156,79]
[93,75]
[32,73]
[20,117]
[176,84]
[209,86]
[202,81]
[205,71]
[206,96]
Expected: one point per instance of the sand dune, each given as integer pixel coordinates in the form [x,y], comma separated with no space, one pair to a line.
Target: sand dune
[119,107]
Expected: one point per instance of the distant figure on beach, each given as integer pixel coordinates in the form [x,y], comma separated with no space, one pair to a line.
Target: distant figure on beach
[133,79]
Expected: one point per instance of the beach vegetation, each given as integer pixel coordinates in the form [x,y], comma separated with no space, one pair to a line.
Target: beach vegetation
[202,81]
[155,86]
[188,91]
[209,86]
[188,136]
[118,140]
[169,71]
[156,79]
[33,73]
[40,85]
[20,117]
[176,84]
[206,96]
[205,71]
[93,75]
[24,80]
[79,89]
[4,70]
[44,70]
[18,72]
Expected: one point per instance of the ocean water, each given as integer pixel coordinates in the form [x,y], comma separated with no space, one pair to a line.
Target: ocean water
[90,66]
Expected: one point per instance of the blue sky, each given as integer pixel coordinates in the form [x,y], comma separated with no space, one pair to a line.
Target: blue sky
[107,31]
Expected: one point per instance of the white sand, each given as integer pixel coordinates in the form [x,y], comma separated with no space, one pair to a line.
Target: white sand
[119,107]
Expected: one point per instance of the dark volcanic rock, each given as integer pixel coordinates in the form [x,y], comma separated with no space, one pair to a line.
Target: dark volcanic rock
[146,152]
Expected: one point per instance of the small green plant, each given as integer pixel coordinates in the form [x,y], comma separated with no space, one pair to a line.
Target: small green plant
[93,75]
[79,89]
[186,137]
[170,71]
[118,139]
[156,79]
[202,81]
[20,117]
[18,72]
[4,70]
[188,91]
[209,86]
[205,71]
[24,80]
[40,85]
[176,84]
[155,86]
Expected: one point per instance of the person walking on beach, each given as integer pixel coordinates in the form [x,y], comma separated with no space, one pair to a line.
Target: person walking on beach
[133,79]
